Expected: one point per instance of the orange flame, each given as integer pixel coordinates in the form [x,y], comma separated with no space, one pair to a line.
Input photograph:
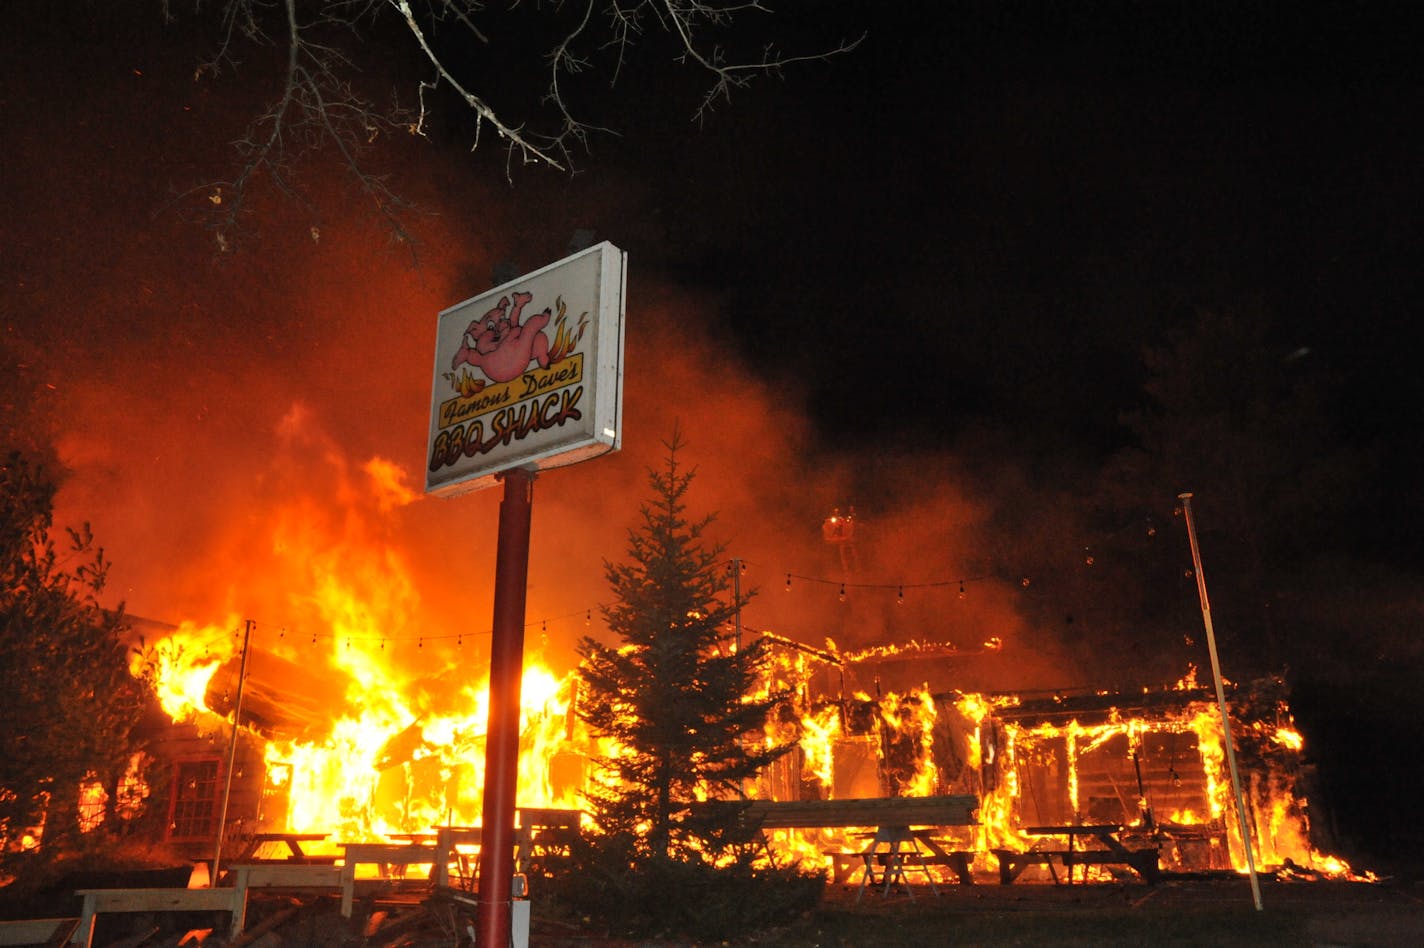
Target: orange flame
[402,750]
[565,339]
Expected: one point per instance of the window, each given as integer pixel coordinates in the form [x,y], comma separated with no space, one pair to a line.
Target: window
[195,800]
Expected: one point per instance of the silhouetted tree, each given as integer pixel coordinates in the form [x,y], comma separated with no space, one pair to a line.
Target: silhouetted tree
[68,705]
[673,694]
[1243,421]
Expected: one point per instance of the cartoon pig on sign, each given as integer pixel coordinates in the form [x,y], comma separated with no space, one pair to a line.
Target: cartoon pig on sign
[500,346]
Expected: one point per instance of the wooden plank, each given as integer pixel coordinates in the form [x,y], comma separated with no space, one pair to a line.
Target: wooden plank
[533,817]
[288,875]
[147,900]
[33,931]
[392,854]
[948,810]
[159,900]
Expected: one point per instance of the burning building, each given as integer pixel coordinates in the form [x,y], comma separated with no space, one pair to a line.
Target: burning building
[356,755]
[1149,760]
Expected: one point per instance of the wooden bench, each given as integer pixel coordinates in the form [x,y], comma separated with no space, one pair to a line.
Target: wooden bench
[1101,847]
[296,876]
[35,931]
[101,901]
[757,816]
[232,899]
[385,856]
[845,864]
[1012,862]
[960,861]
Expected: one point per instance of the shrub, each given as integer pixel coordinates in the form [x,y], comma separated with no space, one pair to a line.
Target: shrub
[679,897]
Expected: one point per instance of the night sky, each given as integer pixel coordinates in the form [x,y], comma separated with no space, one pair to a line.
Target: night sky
[918,278]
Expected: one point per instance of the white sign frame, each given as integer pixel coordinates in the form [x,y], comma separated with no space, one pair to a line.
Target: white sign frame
[529,374]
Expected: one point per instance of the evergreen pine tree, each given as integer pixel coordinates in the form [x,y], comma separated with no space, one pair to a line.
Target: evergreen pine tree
[674,695]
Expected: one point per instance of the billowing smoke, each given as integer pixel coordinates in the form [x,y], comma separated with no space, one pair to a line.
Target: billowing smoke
[256,438]
[245,430]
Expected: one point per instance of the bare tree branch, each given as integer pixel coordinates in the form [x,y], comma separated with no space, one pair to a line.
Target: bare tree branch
[318,103]
[483,113]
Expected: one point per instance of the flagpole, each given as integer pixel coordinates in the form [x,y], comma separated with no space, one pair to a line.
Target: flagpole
[1186,499]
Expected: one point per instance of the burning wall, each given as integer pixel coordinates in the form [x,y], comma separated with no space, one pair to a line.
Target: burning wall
[355,754]
[1150,761]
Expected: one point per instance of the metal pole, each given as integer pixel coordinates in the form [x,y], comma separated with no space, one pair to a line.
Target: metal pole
[231,754]
[1186,499]
[511,579]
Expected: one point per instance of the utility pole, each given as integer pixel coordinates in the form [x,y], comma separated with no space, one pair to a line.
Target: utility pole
[1186,499]
[231,753]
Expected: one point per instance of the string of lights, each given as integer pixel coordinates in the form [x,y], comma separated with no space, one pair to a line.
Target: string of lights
[419,640]
[961,584]
[898,587]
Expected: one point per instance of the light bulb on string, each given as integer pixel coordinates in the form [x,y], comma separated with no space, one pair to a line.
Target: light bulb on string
[961,589]
[788,582]
[900,596]
[842,592]
[419,642]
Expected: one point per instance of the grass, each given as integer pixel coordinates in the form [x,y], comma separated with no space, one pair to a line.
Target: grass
[1211,914]
[944,925]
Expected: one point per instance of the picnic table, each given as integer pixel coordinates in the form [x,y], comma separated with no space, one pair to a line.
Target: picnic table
[548,836]
[293,843]
[392,862]
[895,851]
[460,845]
[905,836]
[1095,844]
[542,832]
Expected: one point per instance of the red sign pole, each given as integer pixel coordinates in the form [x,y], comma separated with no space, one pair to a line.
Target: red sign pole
[511,578]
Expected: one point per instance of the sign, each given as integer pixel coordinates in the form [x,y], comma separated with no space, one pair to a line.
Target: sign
[529,374]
